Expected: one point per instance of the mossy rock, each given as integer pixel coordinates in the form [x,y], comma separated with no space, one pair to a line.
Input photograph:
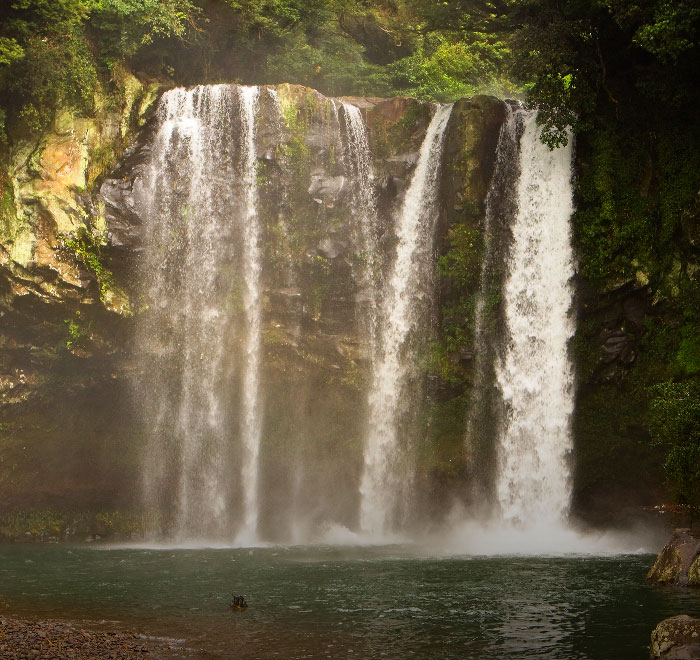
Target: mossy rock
[677,638]
[679,561]
[694,573]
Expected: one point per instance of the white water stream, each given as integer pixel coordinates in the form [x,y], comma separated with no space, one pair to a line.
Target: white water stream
[381,480]
[200,196]
[251,427]
[535,375]
[358,159]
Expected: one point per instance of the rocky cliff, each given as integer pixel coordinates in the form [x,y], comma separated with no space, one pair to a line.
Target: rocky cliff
[71,245]
[71,275]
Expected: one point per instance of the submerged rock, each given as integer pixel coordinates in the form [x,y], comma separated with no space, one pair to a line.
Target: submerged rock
[679,562]
[677,638]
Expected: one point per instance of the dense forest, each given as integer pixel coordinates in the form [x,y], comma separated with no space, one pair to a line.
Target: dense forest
[622,73]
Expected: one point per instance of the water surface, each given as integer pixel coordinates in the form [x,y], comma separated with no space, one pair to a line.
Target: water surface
[351,602]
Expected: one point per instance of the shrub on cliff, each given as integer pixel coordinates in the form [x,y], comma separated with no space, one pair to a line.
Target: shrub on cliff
[675,424]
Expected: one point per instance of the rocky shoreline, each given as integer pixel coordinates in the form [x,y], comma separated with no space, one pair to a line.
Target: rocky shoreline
[50,639]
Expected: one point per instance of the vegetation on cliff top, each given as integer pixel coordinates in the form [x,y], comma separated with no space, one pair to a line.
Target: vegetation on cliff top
[58,52]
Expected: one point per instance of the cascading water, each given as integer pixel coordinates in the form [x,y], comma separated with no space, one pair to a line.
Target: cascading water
[501,207]
[359,163]
[534,374]
[201,338]
[408,280]
[358,159]
[199,198]
[251,426]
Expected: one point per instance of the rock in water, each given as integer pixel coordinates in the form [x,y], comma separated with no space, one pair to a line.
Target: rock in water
[677,638]
[679,562]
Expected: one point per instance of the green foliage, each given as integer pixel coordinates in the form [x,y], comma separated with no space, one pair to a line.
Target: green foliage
[54,53]
[125,26]
[613,224]
[675,425]
[317,273]
[54,525]
[50,74]
[101,158]
[445,67]
[32,524]
[78,332]
[88,251]
[462,262]
[460,269]
[10,51]
[584,57]
[51,51]
[46,61]
[688,356]
[635,190]
[8,212]
[671,31]
[294,150]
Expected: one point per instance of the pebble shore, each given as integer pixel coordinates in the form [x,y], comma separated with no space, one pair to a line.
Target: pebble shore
[49,639]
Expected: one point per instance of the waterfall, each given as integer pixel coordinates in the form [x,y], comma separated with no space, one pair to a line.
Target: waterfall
[358,156]
[484,407]
[205,201]
[406,284]
[358,161]
[198,198]
[534,375]
[251,428]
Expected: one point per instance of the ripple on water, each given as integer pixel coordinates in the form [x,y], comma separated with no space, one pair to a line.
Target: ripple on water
[354,600]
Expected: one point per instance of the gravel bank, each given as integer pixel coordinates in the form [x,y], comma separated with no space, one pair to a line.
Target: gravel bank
[49,639]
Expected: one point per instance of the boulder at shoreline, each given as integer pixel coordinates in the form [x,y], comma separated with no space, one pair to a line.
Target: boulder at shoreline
[677,638]
[679,562]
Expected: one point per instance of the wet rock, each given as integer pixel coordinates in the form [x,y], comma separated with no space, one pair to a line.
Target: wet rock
[679,562]
[120,213]
[618,346]
[409,158]
[677,638]
[332,249]
[634,310]
[286,301]
[326,187]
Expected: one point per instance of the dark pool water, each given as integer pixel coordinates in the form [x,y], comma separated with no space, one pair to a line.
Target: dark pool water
[352,602]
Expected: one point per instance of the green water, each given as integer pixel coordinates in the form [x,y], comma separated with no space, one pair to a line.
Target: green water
[352,602]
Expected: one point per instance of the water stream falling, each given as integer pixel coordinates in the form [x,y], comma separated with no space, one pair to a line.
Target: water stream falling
[202,237]
[251,422]
[380,482]
[358,159]
[485,404]
[201,338]
[534,375]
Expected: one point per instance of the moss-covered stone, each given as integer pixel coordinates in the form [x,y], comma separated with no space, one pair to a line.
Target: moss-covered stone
[677,562]
[694,573]
[677,637]
[54,525]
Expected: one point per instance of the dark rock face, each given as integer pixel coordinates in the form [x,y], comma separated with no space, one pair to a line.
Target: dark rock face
[679,561]
[677,638]
[608,425]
